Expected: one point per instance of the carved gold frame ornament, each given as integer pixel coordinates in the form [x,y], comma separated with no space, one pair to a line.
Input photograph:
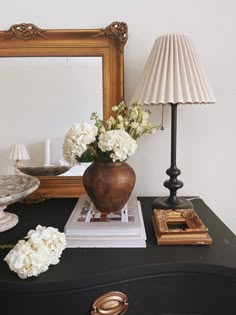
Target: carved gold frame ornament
[28,40]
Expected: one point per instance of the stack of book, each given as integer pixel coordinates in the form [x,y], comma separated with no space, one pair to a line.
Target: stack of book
[86,227]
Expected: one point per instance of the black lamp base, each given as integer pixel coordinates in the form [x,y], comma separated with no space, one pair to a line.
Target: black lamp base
[173,184]
[169,203]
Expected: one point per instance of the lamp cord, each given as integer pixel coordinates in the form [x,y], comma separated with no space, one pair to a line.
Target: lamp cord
[162,117]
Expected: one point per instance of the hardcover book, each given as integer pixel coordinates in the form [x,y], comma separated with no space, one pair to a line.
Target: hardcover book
[86,228]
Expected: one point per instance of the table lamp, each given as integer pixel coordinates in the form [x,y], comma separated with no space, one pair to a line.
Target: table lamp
[173,75]
[18,152]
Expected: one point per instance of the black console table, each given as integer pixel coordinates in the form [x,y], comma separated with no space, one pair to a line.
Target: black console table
[158,280]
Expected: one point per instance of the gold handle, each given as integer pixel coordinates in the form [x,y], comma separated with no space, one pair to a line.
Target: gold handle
[111,303]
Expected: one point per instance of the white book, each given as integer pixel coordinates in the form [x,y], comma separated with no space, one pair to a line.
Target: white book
[110,241]
[73,243]
[85,220]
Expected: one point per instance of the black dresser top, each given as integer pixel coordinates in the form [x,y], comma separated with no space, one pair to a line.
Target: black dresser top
[83,268]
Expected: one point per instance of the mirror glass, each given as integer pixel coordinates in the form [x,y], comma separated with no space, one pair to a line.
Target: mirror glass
[50,94]
[49,80]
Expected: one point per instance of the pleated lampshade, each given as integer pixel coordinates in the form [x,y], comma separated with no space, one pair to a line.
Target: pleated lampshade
[18,152]
[173,74]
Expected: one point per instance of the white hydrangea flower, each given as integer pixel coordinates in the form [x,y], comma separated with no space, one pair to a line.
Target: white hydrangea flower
[76,141]
[42,248]
[49,237]
[119,143]
[27,261]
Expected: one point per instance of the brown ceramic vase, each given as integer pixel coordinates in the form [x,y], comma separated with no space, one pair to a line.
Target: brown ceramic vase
[109,184]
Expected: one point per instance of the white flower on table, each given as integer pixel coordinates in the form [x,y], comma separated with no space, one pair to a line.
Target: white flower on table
[48,237]
[33,256]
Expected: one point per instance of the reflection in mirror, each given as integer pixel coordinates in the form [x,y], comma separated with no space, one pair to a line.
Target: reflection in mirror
[63,76]
[43,97]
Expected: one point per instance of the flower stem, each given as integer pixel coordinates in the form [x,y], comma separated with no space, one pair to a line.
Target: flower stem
[5,246]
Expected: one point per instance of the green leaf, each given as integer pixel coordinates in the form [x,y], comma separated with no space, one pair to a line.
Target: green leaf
[87,156]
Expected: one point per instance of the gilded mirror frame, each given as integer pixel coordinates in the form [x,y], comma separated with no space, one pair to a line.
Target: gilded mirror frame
[28,40]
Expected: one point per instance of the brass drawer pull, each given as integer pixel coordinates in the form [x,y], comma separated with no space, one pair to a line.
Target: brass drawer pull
[111,303]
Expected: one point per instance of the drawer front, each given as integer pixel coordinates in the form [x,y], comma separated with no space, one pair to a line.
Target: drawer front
[171,294]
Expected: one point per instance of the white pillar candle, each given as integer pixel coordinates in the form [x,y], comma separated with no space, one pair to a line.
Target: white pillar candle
[47,152]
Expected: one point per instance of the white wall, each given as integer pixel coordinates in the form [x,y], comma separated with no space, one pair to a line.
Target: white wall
[206,144]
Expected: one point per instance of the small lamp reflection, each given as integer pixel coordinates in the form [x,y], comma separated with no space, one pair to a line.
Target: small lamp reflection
[18,152]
